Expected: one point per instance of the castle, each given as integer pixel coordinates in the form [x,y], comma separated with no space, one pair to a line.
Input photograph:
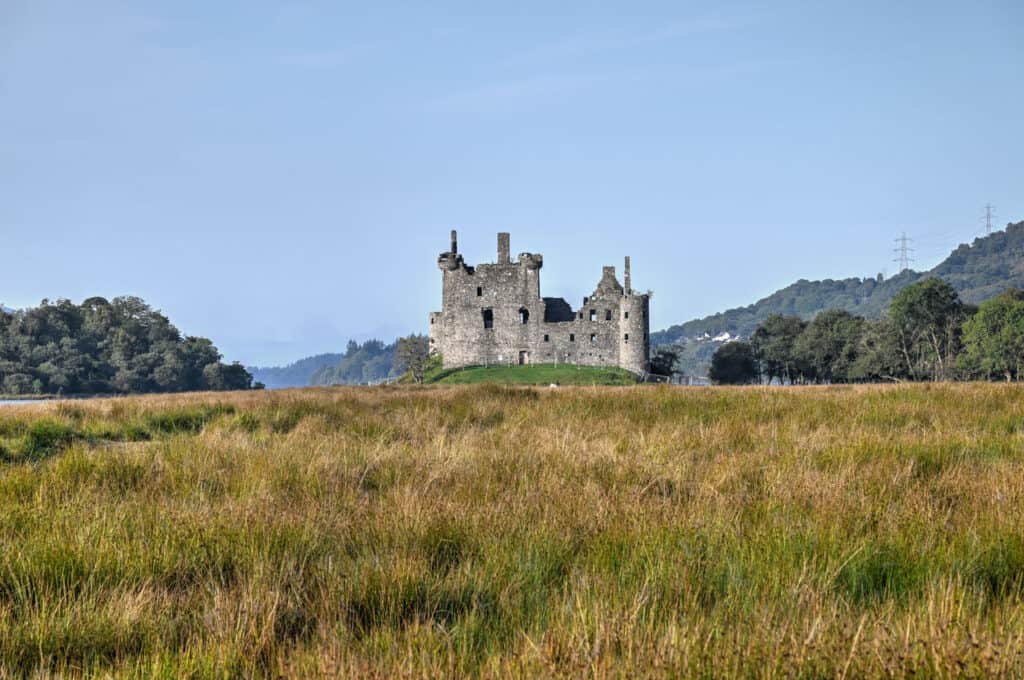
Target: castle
[494,314]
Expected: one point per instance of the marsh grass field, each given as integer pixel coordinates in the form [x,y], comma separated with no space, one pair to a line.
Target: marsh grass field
[483,530]
[535,374]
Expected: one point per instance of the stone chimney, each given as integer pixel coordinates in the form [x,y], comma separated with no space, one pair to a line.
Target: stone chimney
[504,256]
[455,242]
[625,276]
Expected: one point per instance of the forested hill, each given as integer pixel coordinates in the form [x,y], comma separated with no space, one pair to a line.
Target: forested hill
[296,374]
[121,346]
[369,362]
[360,364]
[978,271]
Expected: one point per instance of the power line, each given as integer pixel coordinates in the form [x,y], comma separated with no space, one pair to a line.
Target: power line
[902,252]
[988,219]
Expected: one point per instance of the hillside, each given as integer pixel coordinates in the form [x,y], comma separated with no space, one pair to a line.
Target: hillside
[296,374]
[360,364]
[978,271]
[363,364]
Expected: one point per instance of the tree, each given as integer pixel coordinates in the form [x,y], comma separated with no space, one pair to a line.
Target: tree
[878,354]
[773,344]
[220,376]
[17,383]
[994,338]
[101,347]
[663,361]
[411,356]
[927,318]
[828,345]
[734,363]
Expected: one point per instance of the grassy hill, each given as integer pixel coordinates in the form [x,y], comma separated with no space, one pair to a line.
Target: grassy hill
[495,531]
[978,271]
[538,374]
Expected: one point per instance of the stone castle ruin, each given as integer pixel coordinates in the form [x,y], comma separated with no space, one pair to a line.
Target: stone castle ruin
[494,314]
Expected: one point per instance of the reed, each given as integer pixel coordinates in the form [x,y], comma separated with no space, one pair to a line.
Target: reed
[482,530]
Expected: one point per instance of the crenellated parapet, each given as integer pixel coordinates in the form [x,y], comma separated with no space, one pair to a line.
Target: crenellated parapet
[532,261]
[449,261]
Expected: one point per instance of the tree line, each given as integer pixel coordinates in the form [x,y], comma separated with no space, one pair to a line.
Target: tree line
[295,374]
[373,361]
[927,333]
[120,346]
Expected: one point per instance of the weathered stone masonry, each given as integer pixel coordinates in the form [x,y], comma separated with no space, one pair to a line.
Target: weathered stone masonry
[494,313]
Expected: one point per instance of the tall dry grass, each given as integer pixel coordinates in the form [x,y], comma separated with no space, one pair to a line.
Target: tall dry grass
[494,531]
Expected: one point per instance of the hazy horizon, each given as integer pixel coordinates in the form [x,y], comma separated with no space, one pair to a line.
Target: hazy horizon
[280,176]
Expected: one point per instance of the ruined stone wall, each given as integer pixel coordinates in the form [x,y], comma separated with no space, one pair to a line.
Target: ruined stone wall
[610,329]
[506,291]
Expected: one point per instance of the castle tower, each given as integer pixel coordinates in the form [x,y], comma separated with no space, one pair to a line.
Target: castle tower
[493,313]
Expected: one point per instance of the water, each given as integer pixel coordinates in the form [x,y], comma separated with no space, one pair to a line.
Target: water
[21,401]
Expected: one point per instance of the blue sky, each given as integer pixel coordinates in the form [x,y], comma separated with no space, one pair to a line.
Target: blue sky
[280,176]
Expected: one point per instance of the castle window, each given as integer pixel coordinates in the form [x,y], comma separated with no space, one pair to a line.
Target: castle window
[546,337]
[625,315]
[479,291]
[488,318]
[607,315]
[572,337]
[627,337]
[581,315]
[593,315]
[593,337]
[524,315]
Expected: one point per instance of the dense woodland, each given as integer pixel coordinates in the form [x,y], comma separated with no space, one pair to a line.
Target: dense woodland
[121,346]
[927,333]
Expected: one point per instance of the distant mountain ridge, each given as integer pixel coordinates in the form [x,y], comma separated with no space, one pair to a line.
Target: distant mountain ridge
[978,271]
[296,374]
[360,364]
